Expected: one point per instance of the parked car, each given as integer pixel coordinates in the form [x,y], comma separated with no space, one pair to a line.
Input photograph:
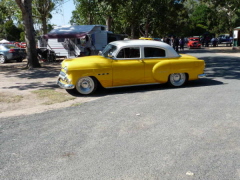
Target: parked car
[11,52]
[223,38]
[20,44]
[130,62]
[194,42]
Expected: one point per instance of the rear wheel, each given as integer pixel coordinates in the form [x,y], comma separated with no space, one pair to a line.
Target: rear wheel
[177,79]
[86,85]
[2,59]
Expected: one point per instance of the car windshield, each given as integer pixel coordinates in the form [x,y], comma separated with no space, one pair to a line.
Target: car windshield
[108,49]
[194,39]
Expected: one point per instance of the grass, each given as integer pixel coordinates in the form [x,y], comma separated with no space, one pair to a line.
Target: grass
[52,96]
[10,99]
[76,104]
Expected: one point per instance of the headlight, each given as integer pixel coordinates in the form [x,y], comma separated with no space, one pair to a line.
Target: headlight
[65,69]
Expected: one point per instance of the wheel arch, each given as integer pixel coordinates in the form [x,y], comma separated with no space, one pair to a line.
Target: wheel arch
[161,71]
[99,84]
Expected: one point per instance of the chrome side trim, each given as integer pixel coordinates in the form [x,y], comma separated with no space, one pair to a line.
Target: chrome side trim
[201,76]
[132,85]
[65,86]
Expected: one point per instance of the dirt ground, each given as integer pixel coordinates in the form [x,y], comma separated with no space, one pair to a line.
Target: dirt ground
[18,84]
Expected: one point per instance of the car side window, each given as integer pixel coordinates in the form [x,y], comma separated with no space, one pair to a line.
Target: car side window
[133,52]
[151,52]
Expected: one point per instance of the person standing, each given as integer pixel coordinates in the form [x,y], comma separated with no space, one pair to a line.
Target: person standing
[175,43]
[168,40]
[182,43]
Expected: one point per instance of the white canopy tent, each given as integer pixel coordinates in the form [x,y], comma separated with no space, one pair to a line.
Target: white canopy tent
[4,41]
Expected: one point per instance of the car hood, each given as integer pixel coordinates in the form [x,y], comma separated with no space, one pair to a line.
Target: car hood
[85,62]
[193,41]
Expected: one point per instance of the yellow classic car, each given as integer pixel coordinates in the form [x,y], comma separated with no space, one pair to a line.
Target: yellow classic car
[130,62]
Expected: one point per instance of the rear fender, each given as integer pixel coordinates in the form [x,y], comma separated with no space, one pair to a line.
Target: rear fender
[161,71]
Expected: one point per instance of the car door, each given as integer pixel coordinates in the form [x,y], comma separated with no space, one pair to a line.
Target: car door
[128,67]
[152,55]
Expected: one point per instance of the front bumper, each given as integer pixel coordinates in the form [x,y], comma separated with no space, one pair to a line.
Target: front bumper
[195,46]
[65,86]
[201,76]
[63,81]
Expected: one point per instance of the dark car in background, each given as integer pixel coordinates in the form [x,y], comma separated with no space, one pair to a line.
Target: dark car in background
[11,52]
[223,38]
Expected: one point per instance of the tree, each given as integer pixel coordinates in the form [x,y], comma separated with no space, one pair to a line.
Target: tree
[227,12]
[134,17]
[12,32]
[86,13]
[201,19]
[109,10]
[42,11]
[26,9]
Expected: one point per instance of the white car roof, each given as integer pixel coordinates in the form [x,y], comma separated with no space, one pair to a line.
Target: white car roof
[170,52]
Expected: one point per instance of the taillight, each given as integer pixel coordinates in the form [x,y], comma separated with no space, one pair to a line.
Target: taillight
[11,50]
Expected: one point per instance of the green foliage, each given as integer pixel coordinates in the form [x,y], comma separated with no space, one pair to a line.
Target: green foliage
[9,31]
[226,13]
[154,18]
[42,12]
[22,37]
[134,17]
[87,12]
[200,19]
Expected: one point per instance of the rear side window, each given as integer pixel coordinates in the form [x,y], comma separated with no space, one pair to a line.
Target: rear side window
[150,52]
[133,52]
[10,46]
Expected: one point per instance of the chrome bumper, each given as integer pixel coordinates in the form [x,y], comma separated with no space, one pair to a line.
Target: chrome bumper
[63,76]
[201,76]
[65,86]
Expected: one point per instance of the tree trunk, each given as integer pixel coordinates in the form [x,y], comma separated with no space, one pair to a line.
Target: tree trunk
[109,23]
[146,28]
[44,25]
[26,8]
[132,31]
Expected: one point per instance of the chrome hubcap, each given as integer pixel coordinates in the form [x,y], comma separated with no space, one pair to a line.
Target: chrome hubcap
[177,79]
[85,85]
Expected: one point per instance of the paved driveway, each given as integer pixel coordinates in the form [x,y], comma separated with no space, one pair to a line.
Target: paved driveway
[147,132]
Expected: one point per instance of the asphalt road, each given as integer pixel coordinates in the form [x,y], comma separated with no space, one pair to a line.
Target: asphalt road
[138,133]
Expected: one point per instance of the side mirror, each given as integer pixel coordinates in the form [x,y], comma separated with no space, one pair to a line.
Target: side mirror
[110,55]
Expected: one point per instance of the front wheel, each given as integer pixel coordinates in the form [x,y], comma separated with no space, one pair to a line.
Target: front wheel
[86,85]
[177,79]
[2,59]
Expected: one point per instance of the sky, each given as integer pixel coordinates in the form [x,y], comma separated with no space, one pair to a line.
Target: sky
[64,17]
